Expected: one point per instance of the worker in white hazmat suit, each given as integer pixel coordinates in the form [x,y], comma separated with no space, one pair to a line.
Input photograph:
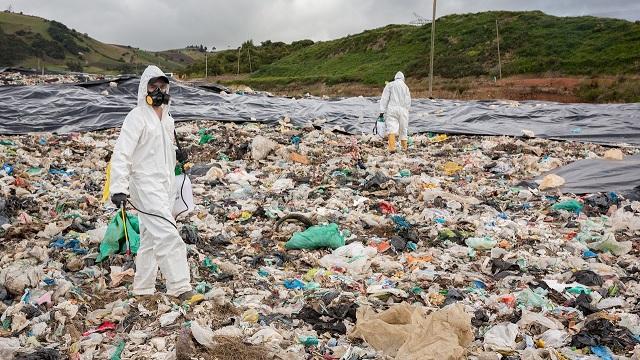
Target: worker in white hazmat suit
[394,106]
[142,168]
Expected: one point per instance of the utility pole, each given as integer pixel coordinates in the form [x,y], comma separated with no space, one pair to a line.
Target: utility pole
[249,52]
[239,59]
[206,66]
[433,43]
[498,39]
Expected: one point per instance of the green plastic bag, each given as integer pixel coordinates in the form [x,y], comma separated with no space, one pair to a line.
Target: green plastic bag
[569,205]
[114,240]
[317,237]
[205,138]
[534,299]
[117,353]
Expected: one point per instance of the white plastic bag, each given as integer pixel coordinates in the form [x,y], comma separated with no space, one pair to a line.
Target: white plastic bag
[554,338]
[261,147]
[610,244]
[380,129]
[202,334]
[183,204]
[355,258]
[501,337]
[169,318]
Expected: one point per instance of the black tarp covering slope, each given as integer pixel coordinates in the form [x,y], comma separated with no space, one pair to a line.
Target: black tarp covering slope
[67,108]
[600,175]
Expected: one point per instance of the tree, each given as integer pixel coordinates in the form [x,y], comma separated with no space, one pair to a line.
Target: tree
[41,47]
[302,43]
[126,68]
[74,65]
[64,36]
[12,49]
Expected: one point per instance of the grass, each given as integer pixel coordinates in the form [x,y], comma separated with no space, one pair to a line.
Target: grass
[101,57]
[12,22]
[531,43]
[622,89]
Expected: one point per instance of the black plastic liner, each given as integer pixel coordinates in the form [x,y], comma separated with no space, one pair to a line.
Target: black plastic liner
[601,175]
[73,108]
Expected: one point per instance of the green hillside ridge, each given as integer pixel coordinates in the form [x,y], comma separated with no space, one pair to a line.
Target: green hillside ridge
[530,43]
[29,40]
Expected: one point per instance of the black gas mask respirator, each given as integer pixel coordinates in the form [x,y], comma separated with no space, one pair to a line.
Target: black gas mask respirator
[157,97]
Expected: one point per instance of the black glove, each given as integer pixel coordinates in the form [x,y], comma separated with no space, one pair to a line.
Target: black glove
[119,200]
[181,156]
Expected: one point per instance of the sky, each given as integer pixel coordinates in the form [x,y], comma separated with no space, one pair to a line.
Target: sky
[170,24]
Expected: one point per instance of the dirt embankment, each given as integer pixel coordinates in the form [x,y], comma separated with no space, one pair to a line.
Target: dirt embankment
[561,89]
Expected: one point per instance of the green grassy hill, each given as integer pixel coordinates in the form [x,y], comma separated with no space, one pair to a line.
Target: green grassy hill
[29,40]
[530,43]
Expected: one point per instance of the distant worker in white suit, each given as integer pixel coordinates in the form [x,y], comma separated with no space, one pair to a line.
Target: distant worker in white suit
[394,107]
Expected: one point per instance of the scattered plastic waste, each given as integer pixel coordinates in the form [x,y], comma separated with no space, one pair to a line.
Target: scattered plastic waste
[316,237]
[569,205]
[308,341]
[205,137]
[551,181]
[484,243]
[501,337]
[115,240]
[450,168]
[307,243]
[294,284]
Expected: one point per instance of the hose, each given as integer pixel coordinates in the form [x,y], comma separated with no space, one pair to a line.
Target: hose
[181,196]
[184,178]
[299,217]
[154,215]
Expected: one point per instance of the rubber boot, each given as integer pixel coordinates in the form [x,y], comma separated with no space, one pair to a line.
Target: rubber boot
[392,143]
[405,145]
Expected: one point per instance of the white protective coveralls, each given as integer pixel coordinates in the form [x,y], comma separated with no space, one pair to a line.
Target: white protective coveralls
[142,166]
[395,103]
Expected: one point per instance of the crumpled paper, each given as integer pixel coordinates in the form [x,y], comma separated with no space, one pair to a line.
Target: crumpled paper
[406,332]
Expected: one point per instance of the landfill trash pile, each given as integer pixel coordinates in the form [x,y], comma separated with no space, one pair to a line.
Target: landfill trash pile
[16,78]
[310,244]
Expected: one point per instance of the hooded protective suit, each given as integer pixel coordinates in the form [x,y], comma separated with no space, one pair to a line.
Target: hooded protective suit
[142,166]
[395,103]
